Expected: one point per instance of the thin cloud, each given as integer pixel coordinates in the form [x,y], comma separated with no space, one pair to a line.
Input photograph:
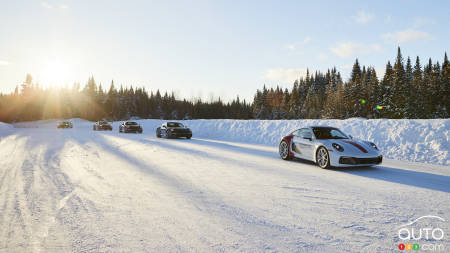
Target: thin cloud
[349,49]
[4,63]
[388,19]
[295,46]
[363,17]
[291,47]
[284,75]
[423,21]
[406,36]
[322,57]
[48,5]
[306,40]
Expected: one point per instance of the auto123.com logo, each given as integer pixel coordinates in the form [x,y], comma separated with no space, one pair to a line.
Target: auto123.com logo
[424,233]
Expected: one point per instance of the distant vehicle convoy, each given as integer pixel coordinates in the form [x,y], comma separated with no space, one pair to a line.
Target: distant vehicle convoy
[102,125]
[65,124]
[173,130]
[328,147]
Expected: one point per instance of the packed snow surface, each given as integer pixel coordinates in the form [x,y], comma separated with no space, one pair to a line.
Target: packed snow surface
[78,190]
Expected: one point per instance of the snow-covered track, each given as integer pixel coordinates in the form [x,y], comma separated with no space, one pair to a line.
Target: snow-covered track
[78,190]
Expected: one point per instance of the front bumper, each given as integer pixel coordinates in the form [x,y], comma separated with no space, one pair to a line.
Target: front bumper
[180,134]
[133,130]
[346,160]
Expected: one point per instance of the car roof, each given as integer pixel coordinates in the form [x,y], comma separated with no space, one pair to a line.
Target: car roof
[315,126]
[322,127]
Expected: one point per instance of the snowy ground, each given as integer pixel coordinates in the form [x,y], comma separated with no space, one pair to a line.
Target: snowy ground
[76,190]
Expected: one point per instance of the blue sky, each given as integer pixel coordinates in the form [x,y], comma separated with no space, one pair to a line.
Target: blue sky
[209,48]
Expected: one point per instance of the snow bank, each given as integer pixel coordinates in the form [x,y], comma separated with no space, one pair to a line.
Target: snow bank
[416,140]
[411,140]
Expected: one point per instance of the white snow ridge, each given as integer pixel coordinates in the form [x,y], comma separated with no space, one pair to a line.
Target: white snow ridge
[225,190]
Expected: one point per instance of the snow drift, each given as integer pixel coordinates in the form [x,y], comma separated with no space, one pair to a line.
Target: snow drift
[416,140]
[411,140]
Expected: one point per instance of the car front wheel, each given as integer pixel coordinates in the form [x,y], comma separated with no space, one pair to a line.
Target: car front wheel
[283,150]
[158,133]
[323,158]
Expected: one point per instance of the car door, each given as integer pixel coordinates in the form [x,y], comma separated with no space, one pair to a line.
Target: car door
[303,143]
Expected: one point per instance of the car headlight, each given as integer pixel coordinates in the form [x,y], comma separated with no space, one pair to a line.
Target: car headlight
[373,145]
[338,147]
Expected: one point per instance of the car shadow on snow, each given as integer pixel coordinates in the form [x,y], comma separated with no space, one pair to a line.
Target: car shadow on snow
[401,176]
[234,148]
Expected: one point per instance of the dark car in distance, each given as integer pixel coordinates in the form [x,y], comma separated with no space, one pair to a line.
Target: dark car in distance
[102,125]
[173,130]
[65,124]
[130,127]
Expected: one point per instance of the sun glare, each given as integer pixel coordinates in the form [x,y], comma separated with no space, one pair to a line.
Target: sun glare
[56,73]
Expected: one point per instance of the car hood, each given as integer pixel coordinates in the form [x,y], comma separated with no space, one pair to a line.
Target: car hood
[353,146]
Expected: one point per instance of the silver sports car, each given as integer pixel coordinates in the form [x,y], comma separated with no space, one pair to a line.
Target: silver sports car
[329,147]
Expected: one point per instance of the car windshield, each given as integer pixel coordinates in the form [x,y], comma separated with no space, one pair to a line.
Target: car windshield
[174,124]
[131,123]
[328,133]
[102,122]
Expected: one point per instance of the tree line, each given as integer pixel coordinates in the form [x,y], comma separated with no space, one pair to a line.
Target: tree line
[31,102]
[406,90]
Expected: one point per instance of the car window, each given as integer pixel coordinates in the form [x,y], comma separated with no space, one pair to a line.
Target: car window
[305,133]
[296,132]
[328,133]
[337,134]
[174,124]
[130,123]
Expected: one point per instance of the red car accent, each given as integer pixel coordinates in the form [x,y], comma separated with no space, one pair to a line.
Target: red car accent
[288,140]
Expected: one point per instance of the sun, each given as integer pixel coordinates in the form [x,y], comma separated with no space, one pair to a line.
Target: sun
[56,73]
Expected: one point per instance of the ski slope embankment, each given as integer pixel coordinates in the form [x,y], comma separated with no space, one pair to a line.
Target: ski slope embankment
[418,140]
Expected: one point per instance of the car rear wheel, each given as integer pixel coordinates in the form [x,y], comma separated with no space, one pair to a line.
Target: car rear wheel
[323,158]
[283,150]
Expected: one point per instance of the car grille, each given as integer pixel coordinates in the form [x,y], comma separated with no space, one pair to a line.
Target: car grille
[354,160]
[180,131]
